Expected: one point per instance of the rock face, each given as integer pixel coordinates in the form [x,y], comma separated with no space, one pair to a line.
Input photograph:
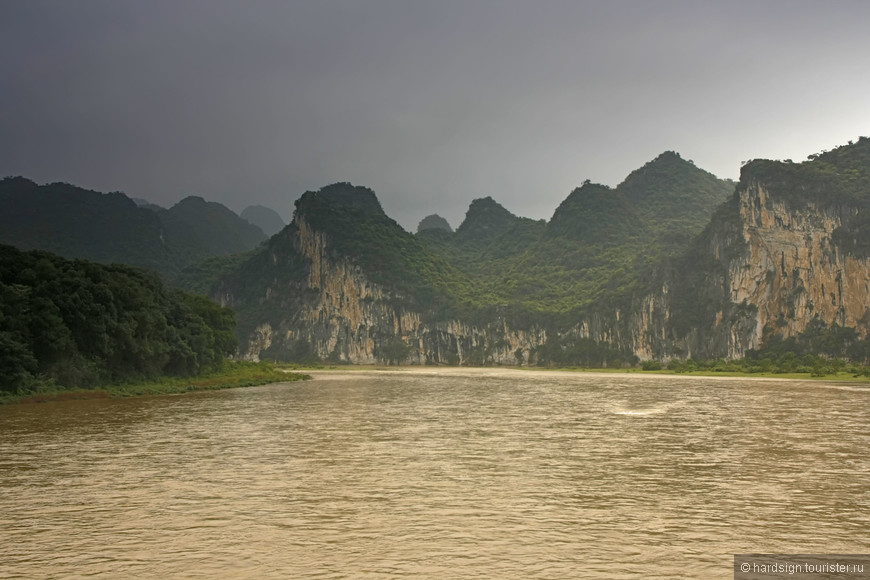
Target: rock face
[771,257]
[793,271]
[767,261]
[336,313]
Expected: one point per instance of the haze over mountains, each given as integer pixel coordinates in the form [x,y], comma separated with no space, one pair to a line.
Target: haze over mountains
[650,268]
[664,266]
[264,218]
[601,244]
[78,223]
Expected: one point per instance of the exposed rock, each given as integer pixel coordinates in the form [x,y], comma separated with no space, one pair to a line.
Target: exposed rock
[785,273]
[347,318]
[769,258]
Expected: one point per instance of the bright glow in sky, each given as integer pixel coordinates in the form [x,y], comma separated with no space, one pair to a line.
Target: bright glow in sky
[430,104]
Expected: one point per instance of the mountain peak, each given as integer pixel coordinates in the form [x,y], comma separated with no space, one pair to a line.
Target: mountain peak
[192,201]
[434,222]
[668,156]
[485,217]
[345,193]
[670,179]
[665,166]
[593,213]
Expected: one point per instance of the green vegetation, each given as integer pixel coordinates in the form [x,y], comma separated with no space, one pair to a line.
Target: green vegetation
[77,324]
[433,222]
[231,375]
[698,278]
[820,350]
[360,231]
[830,178]
[675,200]
[595,215]
[583,352]
[601,246]
[201,277]
[298,352]
[197,229]
[392,350]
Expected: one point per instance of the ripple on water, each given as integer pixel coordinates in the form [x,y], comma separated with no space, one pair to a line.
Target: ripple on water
[446,473]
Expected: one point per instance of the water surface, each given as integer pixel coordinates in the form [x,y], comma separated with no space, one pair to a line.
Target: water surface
[445,473]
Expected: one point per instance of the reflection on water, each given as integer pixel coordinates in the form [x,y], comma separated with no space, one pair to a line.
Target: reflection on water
[438,474]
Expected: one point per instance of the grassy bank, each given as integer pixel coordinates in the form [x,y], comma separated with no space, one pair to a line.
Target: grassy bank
[232,375]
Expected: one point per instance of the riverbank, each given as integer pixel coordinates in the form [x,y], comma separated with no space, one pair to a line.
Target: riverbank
[842,376]
[234,375]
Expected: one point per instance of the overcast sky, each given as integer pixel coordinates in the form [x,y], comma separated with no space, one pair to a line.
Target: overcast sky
[431,104]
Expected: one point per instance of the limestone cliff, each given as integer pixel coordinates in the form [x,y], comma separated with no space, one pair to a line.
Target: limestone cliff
[345,283]
[766,260]
[331,309]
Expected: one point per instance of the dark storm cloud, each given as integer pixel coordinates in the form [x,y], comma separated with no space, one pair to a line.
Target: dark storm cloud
[431,104]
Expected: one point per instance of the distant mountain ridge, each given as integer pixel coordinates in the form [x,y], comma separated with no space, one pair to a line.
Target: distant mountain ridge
[345,282]
[264,218]
[671,264]
[78,223]
[434,222]
[206,228]
[485,219]
[600,241]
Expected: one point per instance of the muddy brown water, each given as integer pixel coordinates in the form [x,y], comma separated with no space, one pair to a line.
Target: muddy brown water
[437,473]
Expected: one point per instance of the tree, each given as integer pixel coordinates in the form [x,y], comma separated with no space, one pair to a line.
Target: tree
[393,350]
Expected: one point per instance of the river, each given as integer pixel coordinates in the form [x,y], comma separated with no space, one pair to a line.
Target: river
[437,473]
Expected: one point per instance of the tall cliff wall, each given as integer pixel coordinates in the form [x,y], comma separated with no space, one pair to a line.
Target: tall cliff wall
[763,261]
[337,313]
[793,271]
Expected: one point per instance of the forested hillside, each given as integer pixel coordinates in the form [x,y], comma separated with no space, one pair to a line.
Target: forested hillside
[79,223]
[601,243]
[75,323]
